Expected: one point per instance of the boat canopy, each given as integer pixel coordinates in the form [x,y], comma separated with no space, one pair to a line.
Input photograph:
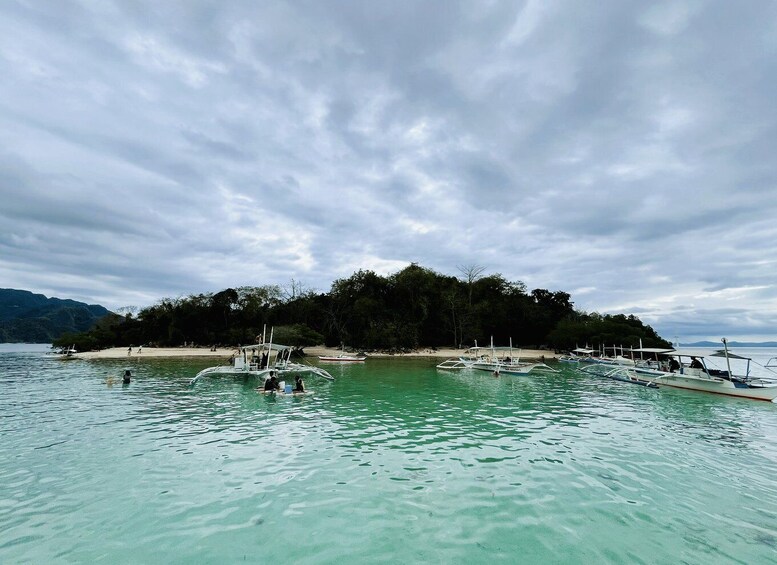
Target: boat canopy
[583,350]
[724,353]
[685,353]
[655,350]
[265,346]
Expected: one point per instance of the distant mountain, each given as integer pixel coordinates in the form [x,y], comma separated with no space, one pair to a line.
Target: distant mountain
[731,344]
[33,318]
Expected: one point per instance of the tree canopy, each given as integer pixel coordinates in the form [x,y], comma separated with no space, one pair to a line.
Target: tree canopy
[415,307]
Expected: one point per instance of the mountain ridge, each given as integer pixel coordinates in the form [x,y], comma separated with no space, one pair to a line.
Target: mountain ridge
[27,317]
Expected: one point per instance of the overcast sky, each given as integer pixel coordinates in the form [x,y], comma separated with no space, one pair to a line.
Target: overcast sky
[624,152]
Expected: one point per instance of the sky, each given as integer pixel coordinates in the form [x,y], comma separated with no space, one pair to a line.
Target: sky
[623,152]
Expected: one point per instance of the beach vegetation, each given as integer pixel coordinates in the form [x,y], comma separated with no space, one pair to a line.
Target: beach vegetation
[413,308]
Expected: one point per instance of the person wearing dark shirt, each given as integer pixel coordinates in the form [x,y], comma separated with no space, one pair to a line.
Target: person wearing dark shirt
[299,386]
[271,384]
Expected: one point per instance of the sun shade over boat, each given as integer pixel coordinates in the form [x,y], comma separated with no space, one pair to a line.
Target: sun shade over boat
[722,353]
[265,346]
[656,350]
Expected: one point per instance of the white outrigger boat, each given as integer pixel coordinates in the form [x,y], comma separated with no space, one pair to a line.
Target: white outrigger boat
[690,371]
[65,353]
[577,355]
[342,357]
[616,358]
[495,360]
[262,359]
[464,361]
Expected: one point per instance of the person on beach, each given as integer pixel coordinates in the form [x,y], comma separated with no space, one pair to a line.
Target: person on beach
[299,386]
[129,351]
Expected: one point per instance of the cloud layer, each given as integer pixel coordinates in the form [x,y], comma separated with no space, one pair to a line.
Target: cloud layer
[623,151]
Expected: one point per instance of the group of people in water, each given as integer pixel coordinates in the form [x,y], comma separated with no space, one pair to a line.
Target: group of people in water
[271,384]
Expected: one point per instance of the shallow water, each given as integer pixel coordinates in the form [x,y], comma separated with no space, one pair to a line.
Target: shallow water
[393,462]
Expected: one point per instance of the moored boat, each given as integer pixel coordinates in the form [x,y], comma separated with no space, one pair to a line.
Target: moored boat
[66,353]
[470,356]
[577,355]
[260,361]
[342,357]
[495,360]
[691,371]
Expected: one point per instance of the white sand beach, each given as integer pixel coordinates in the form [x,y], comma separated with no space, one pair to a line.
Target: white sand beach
[224,353]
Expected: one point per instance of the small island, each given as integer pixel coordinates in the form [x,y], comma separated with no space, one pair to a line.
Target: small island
[415,311]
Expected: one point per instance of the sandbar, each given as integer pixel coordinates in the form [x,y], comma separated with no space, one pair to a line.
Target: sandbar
[227,352]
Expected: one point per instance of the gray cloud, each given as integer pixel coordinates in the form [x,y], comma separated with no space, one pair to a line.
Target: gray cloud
[622,152]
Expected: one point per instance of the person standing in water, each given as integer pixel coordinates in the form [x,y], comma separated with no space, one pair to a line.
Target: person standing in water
[299,386]
[271,384]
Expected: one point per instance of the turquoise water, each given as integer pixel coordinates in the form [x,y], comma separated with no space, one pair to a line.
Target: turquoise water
[393,462]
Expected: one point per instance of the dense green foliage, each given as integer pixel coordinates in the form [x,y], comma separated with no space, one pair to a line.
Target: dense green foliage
[33,318]
[413,308]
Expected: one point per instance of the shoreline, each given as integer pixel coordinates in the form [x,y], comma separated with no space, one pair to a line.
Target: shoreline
[314,352]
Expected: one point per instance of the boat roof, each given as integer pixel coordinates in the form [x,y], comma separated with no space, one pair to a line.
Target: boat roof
[583,350]
[730,355]
[655,350]
[718,353]
[263,346]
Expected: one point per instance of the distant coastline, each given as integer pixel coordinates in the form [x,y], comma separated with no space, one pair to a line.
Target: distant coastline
[731,344]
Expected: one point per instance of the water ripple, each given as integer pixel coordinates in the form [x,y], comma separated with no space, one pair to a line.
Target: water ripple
[394,461]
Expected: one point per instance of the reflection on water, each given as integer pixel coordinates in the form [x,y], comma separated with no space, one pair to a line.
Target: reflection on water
[393,461]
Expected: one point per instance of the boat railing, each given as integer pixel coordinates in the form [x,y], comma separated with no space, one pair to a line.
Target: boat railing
[203,373]
[458,363]
[544,368]
[320,372]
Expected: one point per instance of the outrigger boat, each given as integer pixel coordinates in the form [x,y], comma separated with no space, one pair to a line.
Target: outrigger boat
[495,360]
[262,359]
[616,358]
[577,355]
[620,373]
[343,358]
[690,371]
[464,361]
[66,353]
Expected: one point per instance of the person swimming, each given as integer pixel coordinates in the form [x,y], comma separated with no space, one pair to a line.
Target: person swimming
[127,377]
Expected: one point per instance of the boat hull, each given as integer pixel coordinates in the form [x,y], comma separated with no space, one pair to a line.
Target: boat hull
[703,383]
[513,369]
[716,386]
[342,359]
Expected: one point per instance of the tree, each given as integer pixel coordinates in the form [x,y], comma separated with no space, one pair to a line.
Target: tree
[414,307]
